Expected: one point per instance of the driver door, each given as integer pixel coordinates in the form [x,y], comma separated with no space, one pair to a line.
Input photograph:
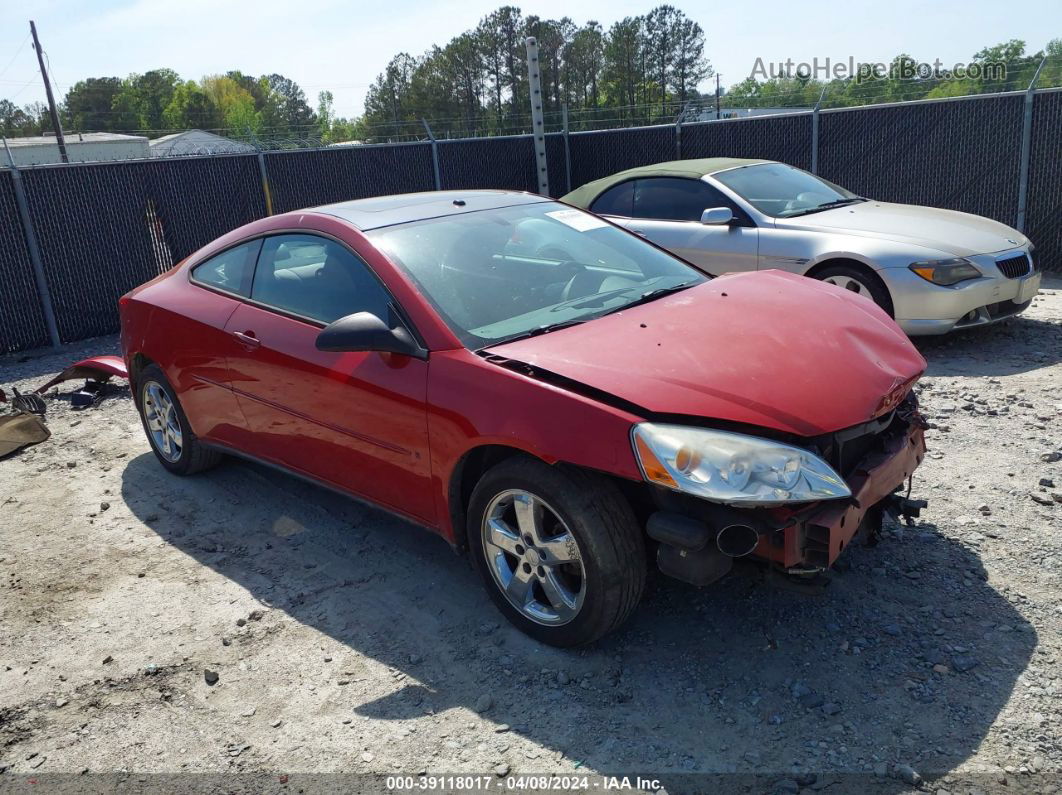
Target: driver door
[667,211]
[355,420]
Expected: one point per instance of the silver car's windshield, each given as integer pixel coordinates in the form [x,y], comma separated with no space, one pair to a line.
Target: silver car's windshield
[782,191]
[498,275]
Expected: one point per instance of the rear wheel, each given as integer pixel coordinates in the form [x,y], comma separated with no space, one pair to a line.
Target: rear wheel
[172,441]
[559,550]
[858,281]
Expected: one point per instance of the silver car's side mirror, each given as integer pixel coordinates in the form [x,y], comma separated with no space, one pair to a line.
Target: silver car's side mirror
[717,216]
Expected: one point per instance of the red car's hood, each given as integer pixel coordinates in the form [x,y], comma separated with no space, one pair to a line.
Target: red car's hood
[769,348]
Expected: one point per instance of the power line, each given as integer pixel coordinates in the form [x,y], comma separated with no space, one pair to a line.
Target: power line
[18,52]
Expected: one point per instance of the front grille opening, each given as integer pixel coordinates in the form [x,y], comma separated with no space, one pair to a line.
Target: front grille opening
[1014,266]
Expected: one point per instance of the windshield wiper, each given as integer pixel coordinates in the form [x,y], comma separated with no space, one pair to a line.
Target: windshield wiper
[651,295]
[828,206]
[547,328]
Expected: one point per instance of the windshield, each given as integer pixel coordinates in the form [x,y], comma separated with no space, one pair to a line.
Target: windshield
[782,191]
[497,275]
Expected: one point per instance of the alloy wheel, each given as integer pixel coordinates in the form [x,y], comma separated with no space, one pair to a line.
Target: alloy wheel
[534,558]
[851,285]
[164,426]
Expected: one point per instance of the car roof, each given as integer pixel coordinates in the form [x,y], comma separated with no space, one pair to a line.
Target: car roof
[584,196]
[379,211]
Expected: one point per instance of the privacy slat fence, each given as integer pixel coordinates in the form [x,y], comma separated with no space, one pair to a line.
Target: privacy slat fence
[104,228]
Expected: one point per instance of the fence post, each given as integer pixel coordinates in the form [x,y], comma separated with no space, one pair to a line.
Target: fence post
[434,153]
[815,132]
[1026,146]
[538,127]
[26,218]
[265,183]
[567,150]
[678,134]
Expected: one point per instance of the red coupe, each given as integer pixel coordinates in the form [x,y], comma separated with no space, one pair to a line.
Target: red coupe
[548,391]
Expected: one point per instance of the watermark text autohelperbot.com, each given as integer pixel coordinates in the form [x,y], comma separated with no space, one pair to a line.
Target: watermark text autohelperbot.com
[903,69]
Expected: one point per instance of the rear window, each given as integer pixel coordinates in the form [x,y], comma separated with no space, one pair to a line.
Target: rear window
[230,270]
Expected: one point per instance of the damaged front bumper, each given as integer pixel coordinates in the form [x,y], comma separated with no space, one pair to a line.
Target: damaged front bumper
[698,541]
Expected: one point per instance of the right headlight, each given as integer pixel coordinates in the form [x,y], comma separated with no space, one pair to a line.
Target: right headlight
[946,272]
[733,468]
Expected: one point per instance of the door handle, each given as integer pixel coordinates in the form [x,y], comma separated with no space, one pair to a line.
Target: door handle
[247,338]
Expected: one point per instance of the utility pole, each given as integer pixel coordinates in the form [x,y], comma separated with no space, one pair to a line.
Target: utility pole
[51,99]
[538,129]
[716,95]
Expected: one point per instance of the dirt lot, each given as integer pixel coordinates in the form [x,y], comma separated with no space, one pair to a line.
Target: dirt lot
[345,640]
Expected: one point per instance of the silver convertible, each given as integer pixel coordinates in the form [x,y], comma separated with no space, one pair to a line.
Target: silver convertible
[933,270]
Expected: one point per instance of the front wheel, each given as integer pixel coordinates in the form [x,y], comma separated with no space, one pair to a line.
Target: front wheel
[559,550]
[855,280]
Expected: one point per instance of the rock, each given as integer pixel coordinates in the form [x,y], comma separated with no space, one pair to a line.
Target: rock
[563,678]
[276,724]
[108,659]
[415,659]
[941,669]
[367,756]
[61,702]
[226,641]
[210,677]
[1052,457]
[501,770]
[256,615]
[964,662]
[893,630]
[799,689]
[907,774]
[1047,483]
[1039,498]
[249,712]
[830,708]
[151,669]
[104,506]
[811,700]
[241,622]
[483,703]
[785,785]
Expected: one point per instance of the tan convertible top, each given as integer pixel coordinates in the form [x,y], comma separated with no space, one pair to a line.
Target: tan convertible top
[584,196]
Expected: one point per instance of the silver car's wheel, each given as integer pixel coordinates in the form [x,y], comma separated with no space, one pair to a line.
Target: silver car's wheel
[163,424]
[851,284]
[534,558]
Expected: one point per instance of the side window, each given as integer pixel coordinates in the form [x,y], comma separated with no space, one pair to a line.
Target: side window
[617,200]
[230,270]
[316,278]
[676,199]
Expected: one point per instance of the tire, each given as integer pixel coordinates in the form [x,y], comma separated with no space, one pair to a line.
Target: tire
[177,448]
[585,525]
[869,284]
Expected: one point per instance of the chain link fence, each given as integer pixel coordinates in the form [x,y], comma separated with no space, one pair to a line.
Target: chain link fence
[101,229]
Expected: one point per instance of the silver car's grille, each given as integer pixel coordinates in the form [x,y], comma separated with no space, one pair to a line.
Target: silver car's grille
[1014,266]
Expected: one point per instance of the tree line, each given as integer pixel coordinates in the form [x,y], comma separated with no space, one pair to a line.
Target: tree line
[640,70]
[476,84]
[270,109]
[904,80]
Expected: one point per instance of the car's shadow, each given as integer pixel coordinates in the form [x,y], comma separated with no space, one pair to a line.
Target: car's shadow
[739,678]
[1014,346]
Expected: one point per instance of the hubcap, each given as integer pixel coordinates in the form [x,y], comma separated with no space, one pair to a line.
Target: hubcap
[534,558]
[851,285]
[164,428]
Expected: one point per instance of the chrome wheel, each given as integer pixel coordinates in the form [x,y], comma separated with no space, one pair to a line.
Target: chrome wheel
[160,416]
[850,284]
[534,558]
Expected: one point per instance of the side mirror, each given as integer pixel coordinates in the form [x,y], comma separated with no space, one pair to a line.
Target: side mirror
[364,331]
[717,216]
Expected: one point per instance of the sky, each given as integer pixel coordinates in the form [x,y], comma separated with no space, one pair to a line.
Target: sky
[342,46]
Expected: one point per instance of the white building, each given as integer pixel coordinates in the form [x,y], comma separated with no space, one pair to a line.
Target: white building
[197,142]
[80,148]
[708,114]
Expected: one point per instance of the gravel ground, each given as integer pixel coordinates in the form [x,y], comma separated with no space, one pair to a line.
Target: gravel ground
[347,641]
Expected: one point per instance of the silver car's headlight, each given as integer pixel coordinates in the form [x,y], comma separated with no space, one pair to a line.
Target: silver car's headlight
[946,272]
[732,468]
